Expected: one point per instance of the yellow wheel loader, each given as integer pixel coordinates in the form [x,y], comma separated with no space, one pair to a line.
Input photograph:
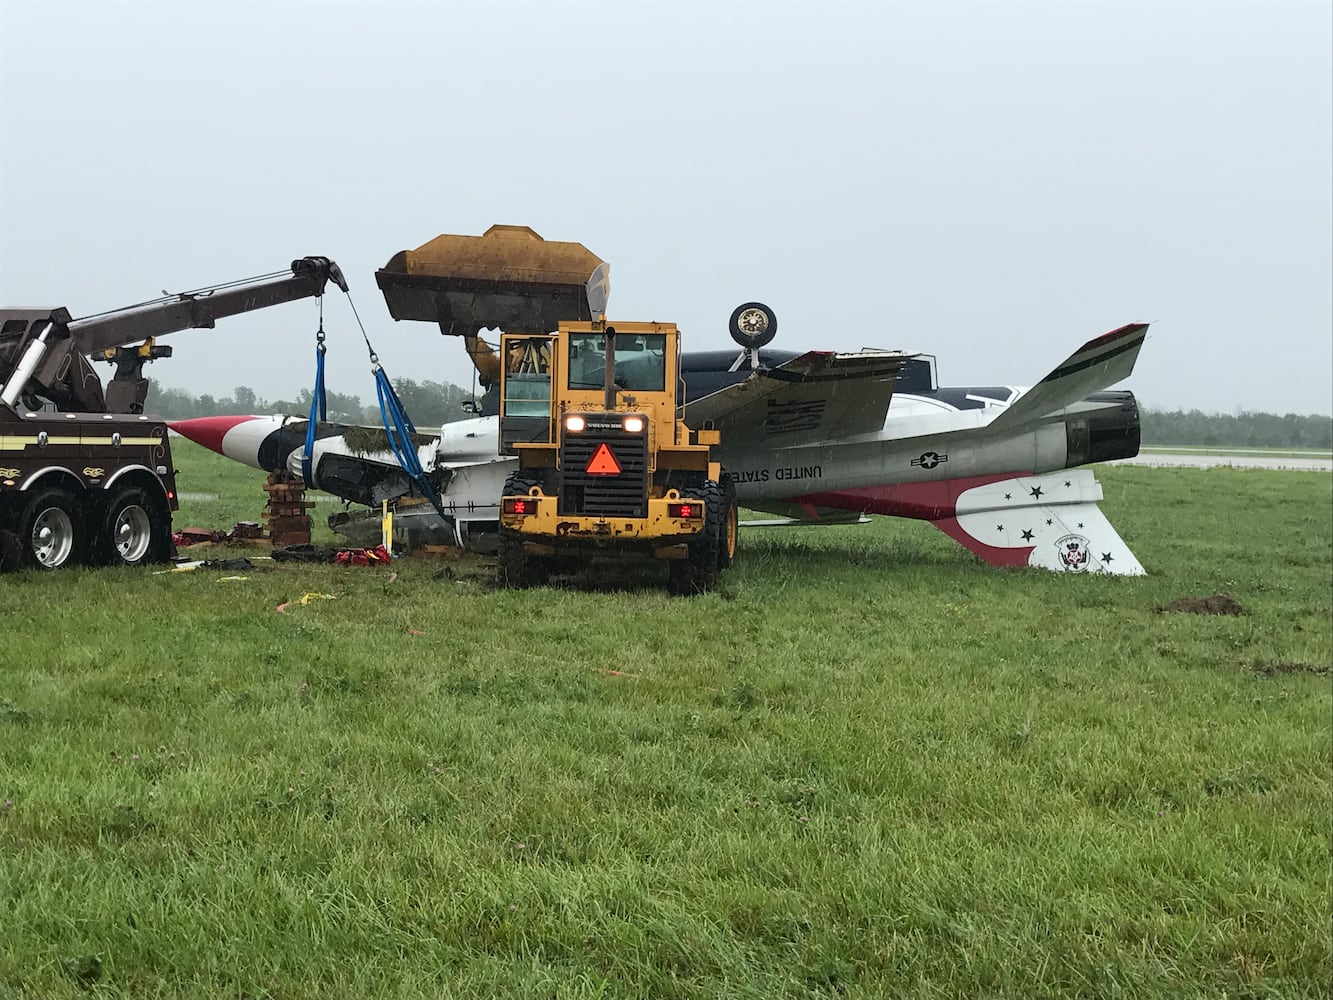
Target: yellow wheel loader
[590,409]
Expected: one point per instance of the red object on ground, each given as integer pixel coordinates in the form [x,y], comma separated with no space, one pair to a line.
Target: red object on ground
[363,557]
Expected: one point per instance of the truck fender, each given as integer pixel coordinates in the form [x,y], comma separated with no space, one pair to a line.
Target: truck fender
[43,476]
[119,473]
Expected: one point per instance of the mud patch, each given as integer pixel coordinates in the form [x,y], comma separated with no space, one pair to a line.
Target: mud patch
[1274,669]
[1218,604]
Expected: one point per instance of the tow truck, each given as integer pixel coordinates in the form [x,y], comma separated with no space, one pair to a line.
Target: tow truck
[85,476]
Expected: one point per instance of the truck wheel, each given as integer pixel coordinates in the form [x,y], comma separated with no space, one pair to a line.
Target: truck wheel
[136,529]
[514,567]
[726,551]
[698,573]
[51,530]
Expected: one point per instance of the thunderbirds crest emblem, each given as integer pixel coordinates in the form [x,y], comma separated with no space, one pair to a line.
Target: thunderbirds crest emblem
[1073,553]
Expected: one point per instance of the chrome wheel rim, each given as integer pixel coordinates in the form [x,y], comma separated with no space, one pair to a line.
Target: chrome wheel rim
[752,321]
[52,537]
[132,533]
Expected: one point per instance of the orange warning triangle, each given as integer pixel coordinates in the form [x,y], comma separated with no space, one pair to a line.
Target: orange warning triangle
[603,462]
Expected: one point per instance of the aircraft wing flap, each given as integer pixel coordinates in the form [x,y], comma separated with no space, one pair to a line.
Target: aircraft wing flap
[820,394]
[1099,363]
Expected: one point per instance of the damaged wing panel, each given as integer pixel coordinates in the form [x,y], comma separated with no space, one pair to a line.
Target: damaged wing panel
[817,396]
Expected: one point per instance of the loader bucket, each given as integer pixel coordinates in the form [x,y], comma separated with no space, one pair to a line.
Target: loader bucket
[509,279]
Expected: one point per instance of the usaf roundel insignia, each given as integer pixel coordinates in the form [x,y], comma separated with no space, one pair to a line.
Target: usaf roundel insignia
[1073,553]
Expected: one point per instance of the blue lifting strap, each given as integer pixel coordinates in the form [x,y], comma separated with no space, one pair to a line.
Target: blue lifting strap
[319,409]
[399,428]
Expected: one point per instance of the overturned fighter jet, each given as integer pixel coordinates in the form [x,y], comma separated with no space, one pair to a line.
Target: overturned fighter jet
[809,438]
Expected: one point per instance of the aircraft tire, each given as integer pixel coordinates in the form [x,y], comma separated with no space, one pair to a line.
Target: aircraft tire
[135,529]
[51,530]
[698,573]
[514,568]
[726,550]
[745,333]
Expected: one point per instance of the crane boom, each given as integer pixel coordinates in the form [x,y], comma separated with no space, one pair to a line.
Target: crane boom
[202,307]
[45,352]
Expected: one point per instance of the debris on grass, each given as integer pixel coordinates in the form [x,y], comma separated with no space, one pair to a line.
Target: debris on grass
[306,599]
[377,556]
[183,538]
[230,564]
[1217,604]
[305,553]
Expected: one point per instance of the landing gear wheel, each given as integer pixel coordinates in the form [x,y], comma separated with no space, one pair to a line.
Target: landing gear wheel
[726,551]
[698,573]
[753,325]
[514,568]
[51,530]
[136,529]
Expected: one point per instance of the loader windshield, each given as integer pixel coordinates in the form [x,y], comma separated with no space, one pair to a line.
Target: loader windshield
[640,362]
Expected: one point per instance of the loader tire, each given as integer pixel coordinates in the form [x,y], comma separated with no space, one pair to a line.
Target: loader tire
[514,568]
[726,550]
[698,573]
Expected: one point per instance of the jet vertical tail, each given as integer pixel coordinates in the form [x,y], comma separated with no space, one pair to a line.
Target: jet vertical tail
[1099,363]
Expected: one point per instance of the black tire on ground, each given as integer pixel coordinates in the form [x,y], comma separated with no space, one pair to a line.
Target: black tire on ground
[698,573]
[513,566]
[726,550]
[753,325]
[135,529]
[51,531]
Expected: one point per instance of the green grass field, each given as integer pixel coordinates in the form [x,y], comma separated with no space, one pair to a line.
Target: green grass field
[870,767]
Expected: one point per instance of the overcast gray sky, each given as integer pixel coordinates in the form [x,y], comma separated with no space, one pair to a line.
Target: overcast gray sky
[992,182]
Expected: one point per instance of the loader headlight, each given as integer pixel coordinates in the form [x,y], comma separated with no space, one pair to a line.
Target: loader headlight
[575,423]
[633,425]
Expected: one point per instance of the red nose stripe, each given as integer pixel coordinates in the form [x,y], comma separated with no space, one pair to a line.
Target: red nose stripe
[207,431]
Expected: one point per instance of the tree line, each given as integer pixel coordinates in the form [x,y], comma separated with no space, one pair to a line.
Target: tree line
[432,403]
[427,403]
[1236,430]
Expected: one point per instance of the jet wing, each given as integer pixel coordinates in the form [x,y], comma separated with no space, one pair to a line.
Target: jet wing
[1099,363]
[816,396]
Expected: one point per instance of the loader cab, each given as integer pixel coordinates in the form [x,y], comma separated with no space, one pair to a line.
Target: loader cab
[640,361]
[544,376]
[525,389]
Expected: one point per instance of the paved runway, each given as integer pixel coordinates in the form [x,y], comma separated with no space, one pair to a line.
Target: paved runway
[1211,459]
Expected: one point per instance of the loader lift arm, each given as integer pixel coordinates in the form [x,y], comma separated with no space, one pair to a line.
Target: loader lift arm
[45,353]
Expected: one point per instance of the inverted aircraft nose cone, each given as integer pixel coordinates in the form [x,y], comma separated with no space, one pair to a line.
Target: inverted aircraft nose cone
[208,431]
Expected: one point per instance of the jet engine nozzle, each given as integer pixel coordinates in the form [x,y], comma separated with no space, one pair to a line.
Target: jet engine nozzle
[1106,435]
